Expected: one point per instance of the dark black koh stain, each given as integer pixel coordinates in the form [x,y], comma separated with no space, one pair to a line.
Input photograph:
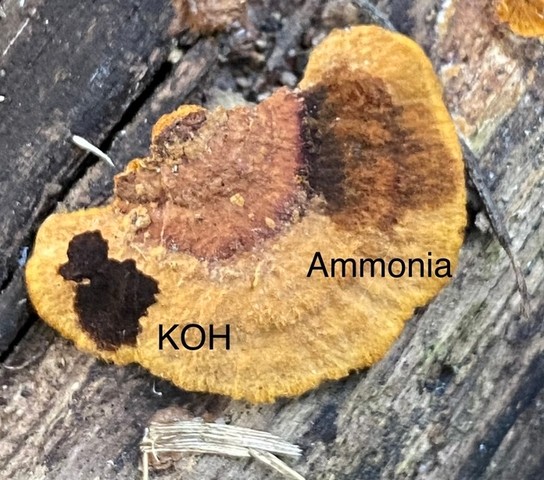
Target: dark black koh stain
[111,296]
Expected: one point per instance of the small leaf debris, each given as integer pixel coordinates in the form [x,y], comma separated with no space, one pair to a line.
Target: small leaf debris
[197,436]
[89,147]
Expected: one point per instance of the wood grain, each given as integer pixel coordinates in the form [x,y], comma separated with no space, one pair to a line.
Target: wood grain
[64,69]
[458,397]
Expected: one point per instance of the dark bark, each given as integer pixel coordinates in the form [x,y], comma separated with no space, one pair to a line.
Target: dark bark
[460,394]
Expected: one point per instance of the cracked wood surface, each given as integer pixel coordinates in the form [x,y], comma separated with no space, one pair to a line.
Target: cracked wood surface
[459,396]
[64,68]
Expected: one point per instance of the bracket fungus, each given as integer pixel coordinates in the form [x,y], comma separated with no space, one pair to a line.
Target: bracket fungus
[524,17]
[220,227]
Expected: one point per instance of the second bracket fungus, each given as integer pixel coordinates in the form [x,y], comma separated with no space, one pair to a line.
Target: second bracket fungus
[235,222]
[524,17]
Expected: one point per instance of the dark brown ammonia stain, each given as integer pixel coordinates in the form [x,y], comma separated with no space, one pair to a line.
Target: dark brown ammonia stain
[111,296]
[363,156]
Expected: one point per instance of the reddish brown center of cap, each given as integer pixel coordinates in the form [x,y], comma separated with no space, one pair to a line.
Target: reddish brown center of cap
[218,182]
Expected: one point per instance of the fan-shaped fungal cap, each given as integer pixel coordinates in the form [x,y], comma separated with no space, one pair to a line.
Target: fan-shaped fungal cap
[234,217]
[524,17]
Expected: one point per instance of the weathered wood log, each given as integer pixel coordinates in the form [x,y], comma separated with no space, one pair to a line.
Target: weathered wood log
[461,393]
[64,69]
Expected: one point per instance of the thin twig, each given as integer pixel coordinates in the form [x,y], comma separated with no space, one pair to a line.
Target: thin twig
[275,463]
[497,222]
[22,365]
